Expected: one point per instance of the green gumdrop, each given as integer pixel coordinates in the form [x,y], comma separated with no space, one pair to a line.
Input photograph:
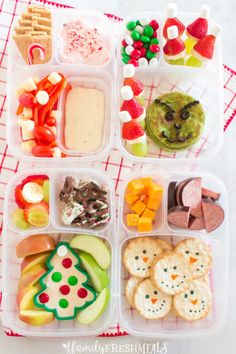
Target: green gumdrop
[46,191]
[145,39]
[192,61]
[148,31]
[139,149]
[135,35]
[126,59]
[176,62]
[154,41]
[189,44]
[150,54]
[131,25]
[18,219]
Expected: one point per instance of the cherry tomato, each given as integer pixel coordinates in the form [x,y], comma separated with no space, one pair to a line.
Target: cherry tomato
[50,121]
[44,135]
[27,100]
[42,151]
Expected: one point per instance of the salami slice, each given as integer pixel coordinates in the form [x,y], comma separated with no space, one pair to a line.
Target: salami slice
[179,216]
[196,223]
[207,193]
[191,196]
[213,214]
[171,194]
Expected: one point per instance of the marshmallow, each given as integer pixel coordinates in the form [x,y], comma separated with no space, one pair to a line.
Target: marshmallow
[172,32]
[42,97]
[54,78]
[171,10]
[27,130]
[126,93]
[27,112]
[28,85]
[125,116]
[128,70]
[55,114]
[27,146]
[56,152]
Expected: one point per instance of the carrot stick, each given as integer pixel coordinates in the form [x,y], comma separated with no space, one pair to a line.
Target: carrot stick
[19,110]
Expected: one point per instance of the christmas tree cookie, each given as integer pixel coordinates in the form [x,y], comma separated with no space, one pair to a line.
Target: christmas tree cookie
[65,287]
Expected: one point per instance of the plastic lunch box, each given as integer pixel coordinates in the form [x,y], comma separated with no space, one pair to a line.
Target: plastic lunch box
[195,81]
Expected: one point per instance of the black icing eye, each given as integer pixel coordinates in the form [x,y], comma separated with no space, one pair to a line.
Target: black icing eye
[136,257]
[185,296]
[191,292]
[155,292]
[187,252]
[165,269]
[184,114]
[169,115]
[144,251]
[174,267]
[197,253]
[154,255]
[147,296]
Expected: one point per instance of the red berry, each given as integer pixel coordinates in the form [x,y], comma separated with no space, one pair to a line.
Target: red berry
[42,151]
[154,24]
[133,61]
[82,293]
[154,48]
[67,263]
[143,52]
[50,121]
[64,289]
[27,100]
[43,298]
[34,178]
[19,198]
[135,54]
[138,44]
[154,34]
[124,43]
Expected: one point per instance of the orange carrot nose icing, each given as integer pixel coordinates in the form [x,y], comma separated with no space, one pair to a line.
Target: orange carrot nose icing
[174,276]
[145,259]
[194,302]
[192,260]
[153,301]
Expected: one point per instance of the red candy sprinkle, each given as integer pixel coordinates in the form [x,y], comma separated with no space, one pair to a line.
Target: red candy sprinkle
[43,298]
[64,289]
[154,24]
[143,52]
[82,292]
[135,54]
[154,48]
[154,34]
[138,44]
[67,263]
[133,61]
[124,43]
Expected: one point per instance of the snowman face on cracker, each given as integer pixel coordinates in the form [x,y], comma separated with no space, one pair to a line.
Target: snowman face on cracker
[195,302]
[150,302]
[197,254]
[139,254]
[171,273]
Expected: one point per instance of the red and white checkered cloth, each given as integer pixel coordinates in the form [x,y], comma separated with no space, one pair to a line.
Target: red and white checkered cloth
[115,165]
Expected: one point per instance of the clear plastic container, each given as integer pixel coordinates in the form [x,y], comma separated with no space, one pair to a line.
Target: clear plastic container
[172,326]
[11,265]
[204,84]
[102,75]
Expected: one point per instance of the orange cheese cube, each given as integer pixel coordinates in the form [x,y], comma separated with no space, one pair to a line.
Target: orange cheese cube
[154,204]
[131,198]
[135,186]
[149,214]
[147,182]
[132,220]
[138,207]
[155,191]
[144,224]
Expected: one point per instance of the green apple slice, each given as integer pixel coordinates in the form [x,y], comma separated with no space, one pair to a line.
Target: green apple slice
[98,276]
[92,312]
[46,190]
[94,246]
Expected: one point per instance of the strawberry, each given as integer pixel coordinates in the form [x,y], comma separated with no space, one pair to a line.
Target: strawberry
[133,107]
[136,85]
[173,22]
[35,178]
[43,206]
[132,130]
[205,47]
[174,46]
[198,28]
[19,198]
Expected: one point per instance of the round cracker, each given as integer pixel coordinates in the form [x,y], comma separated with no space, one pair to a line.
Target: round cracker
[166,246]
[130,288]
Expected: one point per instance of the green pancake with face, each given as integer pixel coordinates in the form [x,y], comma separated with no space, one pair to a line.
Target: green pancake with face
[175,121]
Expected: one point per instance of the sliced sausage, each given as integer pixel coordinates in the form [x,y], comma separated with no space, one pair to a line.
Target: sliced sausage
[171,194]
[179,216]
[191,196]
[178,191]
[196,223]
[207,193]
[213,214]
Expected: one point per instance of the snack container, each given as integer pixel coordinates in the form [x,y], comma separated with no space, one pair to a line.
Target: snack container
[89,76]
[172,326]
[203,84]
[11,265]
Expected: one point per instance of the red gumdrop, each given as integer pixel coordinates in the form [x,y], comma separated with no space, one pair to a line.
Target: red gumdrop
[154,48]
[64,289]
[43,298]
[27,100]
[66,262]
[133,61]
[138,44]
[143,52]
[135,54]
[154,34]
[82,293]
[154,24]
[124,43]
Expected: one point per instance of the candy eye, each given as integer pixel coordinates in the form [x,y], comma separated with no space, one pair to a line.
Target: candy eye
[191,292]
[147,296]
[187,252]
[185,296]
[155,292]
[174,267]
[165,269]
[184,115]
[136,257]
[144,251]
[169,115]
[197,253]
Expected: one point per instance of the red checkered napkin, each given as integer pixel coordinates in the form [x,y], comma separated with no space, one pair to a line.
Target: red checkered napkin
[115,166]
